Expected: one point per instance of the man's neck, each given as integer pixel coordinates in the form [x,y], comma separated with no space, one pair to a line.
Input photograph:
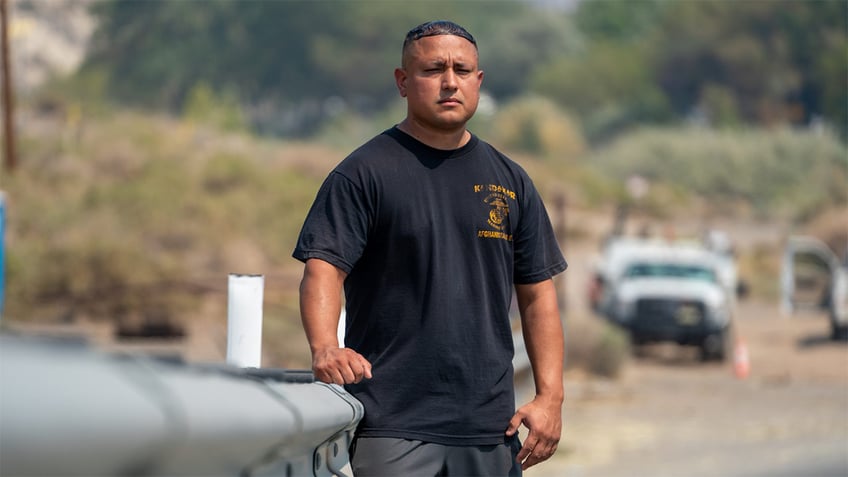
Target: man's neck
[436,139]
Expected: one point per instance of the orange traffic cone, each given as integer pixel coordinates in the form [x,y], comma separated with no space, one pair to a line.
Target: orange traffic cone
[741,360]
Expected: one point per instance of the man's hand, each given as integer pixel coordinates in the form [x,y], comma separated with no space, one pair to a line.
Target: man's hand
[340,366]
[543,418]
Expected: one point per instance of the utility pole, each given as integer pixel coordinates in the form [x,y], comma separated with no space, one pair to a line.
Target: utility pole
[560,203]
[9,159]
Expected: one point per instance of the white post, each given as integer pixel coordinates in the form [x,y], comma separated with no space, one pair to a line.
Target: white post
[244,320]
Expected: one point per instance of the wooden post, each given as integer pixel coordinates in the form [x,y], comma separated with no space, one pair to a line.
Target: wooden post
[560,230]
[10,159]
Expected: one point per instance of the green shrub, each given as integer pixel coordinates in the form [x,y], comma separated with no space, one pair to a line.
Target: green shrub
[610,353]
[781,173]
[537,126]
[222,111]
[595,346]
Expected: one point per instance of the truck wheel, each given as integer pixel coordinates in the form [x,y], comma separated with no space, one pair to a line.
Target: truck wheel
[837,332]
[714,347]
[637,347]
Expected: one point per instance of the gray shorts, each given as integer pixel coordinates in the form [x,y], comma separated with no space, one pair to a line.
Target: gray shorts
[392,457]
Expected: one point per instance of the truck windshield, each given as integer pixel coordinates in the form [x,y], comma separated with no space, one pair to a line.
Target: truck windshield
[671,270]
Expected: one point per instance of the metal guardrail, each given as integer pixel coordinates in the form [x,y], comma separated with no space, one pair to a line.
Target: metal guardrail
[66,409]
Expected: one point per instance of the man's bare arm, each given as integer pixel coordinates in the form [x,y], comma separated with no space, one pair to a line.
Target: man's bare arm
[543,335]
[320,307]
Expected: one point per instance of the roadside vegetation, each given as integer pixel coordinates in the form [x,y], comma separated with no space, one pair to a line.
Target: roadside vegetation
[138,218]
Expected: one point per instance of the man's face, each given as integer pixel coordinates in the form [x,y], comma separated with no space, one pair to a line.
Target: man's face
[440,81]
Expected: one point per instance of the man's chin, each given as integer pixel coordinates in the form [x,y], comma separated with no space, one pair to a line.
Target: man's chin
[452,121]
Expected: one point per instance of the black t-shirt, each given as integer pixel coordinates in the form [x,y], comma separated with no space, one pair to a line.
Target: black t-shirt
[432,242]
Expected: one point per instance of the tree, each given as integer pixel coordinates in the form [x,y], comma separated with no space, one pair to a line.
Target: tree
[778,60]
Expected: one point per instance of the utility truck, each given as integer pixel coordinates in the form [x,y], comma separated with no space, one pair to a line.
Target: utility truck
[668,291]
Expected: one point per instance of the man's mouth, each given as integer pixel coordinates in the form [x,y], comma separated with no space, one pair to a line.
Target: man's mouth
[450,101]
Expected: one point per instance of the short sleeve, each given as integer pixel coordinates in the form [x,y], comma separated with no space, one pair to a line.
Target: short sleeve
[537,252]
[336,227]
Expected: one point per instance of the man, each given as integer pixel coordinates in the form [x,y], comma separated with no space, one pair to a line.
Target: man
[427,229]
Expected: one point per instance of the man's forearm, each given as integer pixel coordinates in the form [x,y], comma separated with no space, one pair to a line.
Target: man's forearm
[320,303]
[543,336]
[545,347]
[320,306]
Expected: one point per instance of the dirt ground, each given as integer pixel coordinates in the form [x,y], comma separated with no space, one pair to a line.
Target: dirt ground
[671,415]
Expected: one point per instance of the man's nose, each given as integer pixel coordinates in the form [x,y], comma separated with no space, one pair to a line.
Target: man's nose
[449,79]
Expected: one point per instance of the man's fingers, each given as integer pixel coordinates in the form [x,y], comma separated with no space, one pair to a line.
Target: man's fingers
[348,375]
[531,458]
[530,462]
[527,449]
[332,376]
[361,368]
[513,424]
[358,370]
[340,366]
[366,369]
[536,451]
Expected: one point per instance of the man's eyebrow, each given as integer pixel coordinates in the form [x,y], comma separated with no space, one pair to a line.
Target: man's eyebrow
[441,62]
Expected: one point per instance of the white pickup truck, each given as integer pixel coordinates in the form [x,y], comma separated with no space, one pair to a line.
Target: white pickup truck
[668,292]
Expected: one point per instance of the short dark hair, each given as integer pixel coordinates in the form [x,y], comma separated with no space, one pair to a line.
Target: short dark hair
[437,27]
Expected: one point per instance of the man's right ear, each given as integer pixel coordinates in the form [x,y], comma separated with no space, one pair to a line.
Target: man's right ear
[400,81]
